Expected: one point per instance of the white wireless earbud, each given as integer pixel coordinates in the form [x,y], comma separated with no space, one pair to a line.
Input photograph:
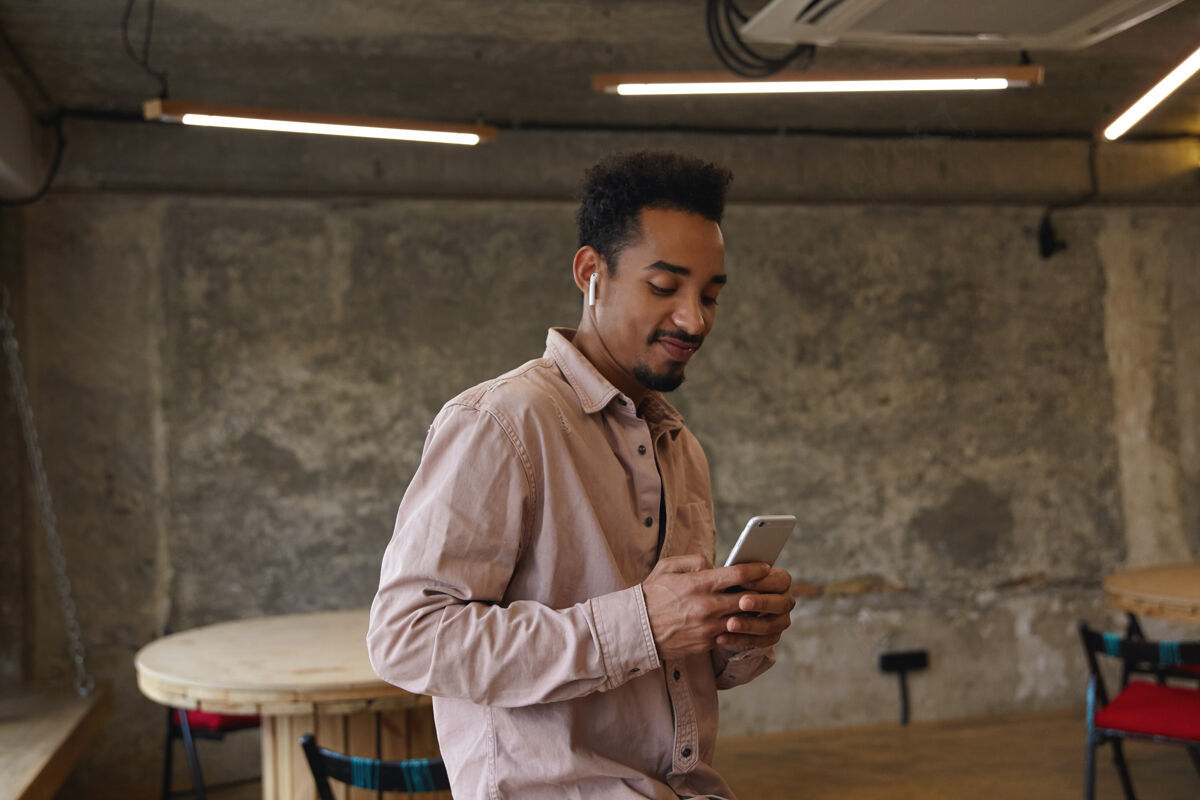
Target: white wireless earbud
[592,289]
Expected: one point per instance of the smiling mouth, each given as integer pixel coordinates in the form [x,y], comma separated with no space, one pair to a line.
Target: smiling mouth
[677,350]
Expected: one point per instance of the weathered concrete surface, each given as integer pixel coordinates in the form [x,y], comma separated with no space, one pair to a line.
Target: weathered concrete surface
[1185,338]
[547,164]
[21,168]
[924,392]
[1149,265]
[13,473]
[235,393]
[1022,640]
[93,301]
[310,345]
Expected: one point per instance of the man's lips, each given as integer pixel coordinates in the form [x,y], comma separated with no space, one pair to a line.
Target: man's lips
[677,350]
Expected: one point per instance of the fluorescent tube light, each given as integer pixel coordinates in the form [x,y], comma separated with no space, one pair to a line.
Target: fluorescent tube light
[258,119]
[817,87]
[1142,107]
[926,80]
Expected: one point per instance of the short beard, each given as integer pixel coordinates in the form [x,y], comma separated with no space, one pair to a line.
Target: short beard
[671,381]
[656,382]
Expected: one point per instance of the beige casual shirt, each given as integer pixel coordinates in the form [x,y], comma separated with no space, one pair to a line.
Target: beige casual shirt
[511,590]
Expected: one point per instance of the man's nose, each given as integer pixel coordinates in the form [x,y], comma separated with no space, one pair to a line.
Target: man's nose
[689,316]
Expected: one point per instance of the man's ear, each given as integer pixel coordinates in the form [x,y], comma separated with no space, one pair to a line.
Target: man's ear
[587,261]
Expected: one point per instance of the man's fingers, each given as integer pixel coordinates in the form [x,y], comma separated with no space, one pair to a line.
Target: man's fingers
[738,575]
[777,581]
[745,625]
[752,603]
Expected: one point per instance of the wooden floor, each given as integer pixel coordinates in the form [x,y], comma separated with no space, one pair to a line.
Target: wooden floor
[1015,757]
[1020,756]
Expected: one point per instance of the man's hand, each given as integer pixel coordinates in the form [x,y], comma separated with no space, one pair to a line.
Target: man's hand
[690,611]
[766,609]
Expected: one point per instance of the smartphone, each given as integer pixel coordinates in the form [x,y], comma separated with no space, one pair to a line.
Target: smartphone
[762,539]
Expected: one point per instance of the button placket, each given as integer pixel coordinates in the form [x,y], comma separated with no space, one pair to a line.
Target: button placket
[687,743]
[644,473]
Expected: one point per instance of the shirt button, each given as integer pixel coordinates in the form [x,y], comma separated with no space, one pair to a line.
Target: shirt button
[635,669]
[641,449]
[621,401]
[676,674]
[687,751]
[649,521]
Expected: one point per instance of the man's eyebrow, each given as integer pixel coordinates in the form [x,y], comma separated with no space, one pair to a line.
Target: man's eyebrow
[675,269]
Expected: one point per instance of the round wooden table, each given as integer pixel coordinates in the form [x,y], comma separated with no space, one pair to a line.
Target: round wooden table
[1169,591]
[303,673]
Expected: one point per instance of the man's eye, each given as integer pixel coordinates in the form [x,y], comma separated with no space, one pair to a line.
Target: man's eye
[708,301]
[659,290]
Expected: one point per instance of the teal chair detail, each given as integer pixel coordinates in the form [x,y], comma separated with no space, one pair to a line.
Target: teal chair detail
[413,776]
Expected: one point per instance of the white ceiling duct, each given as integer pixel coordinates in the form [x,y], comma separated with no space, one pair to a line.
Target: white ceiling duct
[1012,24]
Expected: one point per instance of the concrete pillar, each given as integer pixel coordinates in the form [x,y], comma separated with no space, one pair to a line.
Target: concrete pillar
[1146,365]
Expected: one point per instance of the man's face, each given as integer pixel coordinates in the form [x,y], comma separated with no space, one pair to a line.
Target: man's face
[654,313]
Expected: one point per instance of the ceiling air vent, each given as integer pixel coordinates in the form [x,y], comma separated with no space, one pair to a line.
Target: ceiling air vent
[1012,24]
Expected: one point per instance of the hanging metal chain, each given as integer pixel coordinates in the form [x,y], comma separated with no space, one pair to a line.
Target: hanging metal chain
[84,682]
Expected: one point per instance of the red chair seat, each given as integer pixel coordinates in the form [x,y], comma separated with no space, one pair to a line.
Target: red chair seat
[1153,710]
[208,721]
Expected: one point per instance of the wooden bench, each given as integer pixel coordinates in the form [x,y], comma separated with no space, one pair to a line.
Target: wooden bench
[43,736]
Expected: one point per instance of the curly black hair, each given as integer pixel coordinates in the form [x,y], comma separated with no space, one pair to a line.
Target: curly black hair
[617,189]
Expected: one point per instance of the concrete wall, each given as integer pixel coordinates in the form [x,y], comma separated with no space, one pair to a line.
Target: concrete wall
[233,390]
[13,479]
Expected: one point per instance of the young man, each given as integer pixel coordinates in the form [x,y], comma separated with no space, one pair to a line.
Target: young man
[550,578]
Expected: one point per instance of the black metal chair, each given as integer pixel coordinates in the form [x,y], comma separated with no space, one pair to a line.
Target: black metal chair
[414,775]
[1141,709]
[192,725]
[1133,630]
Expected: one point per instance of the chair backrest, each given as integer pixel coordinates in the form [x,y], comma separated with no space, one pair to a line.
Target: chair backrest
[414,775]
[1139,654]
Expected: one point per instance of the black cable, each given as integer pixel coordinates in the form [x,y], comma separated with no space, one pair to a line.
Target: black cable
[147,34]
[1048,241]
[723,18]
[144,60]
[733,25]
[735,47]
[732,52]
[59,146]
[53,118]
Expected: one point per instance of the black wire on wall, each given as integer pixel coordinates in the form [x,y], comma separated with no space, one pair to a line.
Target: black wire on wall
[51,118]
[724,19]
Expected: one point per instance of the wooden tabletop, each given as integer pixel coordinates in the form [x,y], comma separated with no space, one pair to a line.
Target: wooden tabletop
[1169,591]
[288,664]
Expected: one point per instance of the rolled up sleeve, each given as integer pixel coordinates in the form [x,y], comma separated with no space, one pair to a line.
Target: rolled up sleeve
[736,667]
[439,623]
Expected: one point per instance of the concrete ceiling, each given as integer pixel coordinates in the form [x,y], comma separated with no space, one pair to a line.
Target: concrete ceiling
[530,63]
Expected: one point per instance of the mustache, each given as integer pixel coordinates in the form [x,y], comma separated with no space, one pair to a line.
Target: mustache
[678,335]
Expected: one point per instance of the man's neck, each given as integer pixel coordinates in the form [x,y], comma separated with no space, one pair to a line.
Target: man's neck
[588,342]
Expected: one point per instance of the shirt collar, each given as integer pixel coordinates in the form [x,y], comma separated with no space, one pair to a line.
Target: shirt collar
[594,390]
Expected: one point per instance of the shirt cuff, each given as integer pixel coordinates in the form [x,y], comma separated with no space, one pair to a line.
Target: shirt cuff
[724,656]
[626,641]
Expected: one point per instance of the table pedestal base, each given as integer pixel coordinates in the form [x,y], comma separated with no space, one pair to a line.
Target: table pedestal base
[396,734]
